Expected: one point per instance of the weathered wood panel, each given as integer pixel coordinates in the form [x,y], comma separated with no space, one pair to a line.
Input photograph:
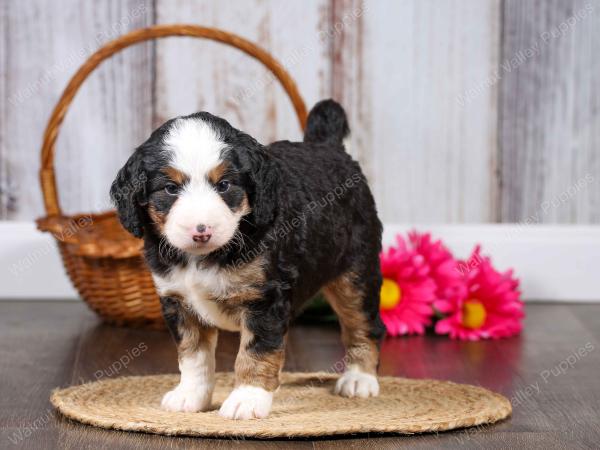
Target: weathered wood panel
[350,77]
[43,44]
[406,71]
[194,75]
[6,199]
[550,111]
[420,80]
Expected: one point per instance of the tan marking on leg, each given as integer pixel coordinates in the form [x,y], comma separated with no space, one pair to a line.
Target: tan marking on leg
[255,369]
[346,300]
[196,343]
[195,335]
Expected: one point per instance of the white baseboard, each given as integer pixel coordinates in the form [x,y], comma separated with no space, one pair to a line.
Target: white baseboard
[554,263]
[30,265]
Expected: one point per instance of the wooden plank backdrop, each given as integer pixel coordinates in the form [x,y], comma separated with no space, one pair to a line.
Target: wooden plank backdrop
[462,111]
[550,111]
[193,74]
[45,42]
[430,157]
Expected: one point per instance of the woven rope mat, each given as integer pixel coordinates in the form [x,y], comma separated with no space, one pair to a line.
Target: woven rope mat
[304,406]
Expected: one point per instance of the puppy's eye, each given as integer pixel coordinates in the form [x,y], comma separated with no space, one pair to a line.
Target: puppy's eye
[223,186]
[172,189]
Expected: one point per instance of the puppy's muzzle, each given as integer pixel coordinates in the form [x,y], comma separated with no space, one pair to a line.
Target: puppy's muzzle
[202,233]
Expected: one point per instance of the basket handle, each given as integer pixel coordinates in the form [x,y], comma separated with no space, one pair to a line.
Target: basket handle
[47,175]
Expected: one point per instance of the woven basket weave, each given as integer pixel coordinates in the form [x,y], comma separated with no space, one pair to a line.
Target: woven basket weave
[103,261]
[303,406]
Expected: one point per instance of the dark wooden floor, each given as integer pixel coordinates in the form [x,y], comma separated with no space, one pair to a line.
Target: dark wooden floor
[551,373]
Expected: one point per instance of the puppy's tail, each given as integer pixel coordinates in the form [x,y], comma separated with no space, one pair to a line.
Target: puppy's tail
[326,123]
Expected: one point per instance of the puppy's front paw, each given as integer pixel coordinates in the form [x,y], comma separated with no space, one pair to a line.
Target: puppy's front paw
[354,383]
[187,399]
[247,402]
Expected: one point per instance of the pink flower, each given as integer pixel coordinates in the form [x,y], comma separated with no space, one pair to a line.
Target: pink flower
[489,307]
[407,292]
[444,269]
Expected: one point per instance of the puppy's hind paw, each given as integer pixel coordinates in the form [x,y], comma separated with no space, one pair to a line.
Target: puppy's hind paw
[354,383]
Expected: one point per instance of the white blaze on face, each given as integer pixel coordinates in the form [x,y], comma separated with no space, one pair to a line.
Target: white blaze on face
[195,150]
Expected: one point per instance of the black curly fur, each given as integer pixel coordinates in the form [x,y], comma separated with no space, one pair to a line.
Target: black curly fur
[326,123]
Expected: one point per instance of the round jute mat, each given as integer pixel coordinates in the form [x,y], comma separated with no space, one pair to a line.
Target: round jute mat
[304,406]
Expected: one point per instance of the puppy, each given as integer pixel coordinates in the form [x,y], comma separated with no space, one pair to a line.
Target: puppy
[238,236]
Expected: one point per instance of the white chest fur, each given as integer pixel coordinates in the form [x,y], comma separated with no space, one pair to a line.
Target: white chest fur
[199,287]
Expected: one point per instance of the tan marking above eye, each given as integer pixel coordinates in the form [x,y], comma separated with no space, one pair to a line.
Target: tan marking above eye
[215,174]
[175,175]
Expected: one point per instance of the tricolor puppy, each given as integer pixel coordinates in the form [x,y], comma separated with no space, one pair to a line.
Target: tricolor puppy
[239,236]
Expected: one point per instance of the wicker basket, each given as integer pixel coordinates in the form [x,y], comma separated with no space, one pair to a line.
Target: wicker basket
[103,261]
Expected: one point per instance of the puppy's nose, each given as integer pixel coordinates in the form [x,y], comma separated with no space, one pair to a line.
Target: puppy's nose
[202,233]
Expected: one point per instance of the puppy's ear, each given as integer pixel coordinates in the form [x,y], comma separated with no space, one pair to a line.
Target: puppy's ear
[128,193]
[265,179]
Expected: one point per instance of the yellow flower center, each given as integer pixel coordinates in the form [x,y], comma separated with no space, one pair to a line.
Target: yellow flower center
[473,314]
[390,294]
